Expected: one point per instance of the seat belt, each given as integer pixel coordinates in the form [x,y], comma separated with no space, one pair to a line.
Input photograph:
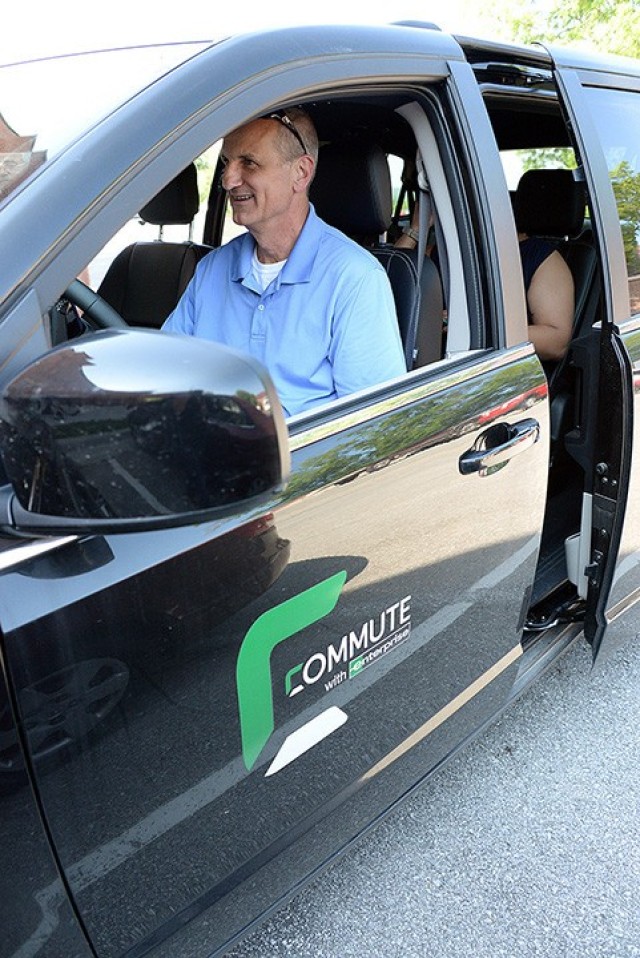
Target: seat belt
[424,215]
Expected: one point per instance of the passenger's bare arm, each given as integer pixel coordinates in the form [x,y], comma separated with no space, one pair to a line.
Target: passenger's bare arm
[551,304]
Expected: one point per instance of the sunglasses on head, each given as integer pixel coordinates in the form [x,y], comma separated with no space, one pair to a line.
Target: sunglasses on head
[284,119]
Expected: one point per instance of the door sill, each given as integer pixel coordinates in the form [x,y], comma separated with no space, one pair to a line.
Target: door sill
[541,649]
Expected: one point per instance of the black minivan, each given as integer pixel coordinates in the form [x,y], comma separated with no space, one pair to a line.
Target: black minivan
[231,640]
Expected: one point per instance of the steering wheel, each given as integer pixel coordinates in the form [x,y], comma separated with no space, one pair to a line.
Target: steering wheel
[94,307]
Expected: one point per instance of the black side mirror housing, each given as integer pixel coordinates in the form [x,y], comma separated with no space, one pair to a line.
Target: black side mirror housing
[125,430]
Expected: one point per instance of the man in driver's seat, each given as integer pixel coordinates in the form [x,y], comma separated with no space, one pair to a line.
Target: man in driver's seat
[314,307]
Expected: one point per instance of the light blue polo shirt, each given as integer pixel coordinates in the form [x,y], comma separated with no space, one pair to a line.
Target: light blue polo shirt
[325,327]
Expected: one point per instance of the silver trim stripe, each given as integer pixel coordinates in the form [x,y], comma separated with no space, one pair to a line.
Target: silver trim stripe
[450,708]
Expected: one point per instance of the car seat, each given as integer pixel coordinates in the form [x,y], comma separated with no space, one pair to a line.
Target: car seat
[146,280]
[352,191]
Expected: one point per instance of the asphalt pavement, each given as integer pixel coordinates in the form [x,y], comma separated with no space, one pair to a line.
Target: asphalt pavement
[526,844]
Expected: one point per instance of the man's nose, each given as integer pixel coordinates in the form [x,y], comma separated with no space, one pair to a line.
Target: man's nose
[231,176]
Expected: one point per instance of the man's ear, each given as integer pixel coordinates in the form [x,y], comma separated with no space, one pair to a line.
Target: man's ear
[303,173]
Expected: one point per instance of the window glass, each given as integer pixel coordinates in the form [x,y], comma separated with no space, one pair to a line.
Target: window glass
[396,168]
[215,217]
[45,104]
[517,162]
[616,114]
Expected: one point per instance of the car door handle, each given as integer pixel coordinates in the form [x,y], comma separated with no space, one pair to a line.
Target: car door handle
[493,448]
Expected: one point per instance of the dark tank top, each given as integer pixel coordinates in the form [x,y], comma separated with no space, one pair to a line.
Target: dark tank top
[533,252]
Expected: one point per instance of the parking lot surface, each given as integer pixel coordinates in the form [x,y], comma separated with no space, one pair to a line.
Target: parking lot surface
[526,844]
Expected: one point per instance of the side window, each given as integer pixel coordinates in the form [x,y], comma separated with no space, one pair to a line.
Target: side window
[517,162]
[401,207]
[616,115]
[365,147]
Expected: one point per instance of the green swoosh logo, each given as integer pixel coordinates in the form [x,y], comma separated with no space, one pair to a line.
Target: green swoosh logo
[253,668]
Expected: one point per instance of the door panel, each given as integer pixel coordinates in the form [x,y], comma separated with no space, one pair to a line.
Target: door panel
[625,587]
[605,115]
[200,723]
[35,914]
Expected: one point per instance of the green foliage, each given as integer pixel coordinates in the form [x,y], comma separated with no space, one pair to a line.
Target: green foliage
[611,26]
[626,187]
[550,158]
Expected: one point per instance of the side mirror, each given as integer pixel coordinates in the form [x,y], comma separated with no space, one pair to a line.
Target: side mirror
[120,431]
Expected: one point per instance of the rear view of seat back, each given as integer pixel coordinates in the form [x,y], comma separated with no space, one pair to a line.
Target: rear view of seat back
[352,191]
[146,280]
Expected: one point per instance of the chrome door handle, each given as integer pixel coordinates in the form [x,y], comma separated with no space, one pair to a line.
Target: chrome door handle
[493,448]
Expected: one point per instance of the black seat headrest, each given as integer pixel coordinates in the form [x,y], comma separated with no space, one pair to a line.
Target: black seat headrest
[177,203]
[549,203]
[352,189]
